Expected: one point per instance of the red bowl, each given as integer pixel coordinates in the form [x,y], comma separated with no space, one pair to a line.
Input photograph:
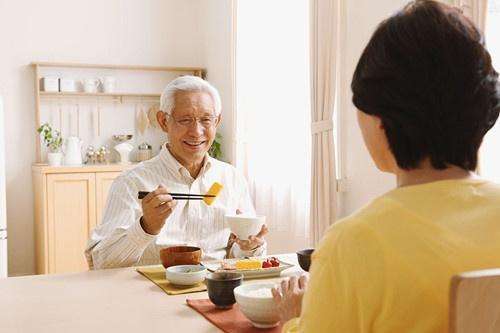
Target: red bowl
[180,255]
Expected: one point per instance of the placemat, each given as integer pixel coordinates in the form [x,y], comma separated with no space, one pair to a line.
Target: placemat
[157,275]
[228,320]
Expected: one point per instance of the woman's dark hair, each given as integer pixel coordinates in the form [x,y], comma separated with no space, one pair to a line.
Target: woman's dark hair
[427,75]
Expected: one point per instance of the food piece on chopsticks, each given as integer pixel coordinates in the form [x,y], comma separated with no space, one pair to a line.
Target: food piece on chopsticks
[248,264]
[214,190]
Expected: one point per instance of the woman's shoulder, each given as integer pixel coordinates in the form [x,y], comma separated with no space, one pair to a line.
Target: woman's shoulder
[361,227]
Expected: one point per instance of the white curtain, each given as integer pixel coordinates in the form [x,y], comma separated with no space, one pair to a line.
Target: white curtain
[476,10]
[489,157]
[273,114]
[325,22]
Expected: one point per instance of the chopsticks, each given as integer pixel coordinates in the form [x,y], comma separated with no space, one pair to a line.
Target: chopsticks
[180,196]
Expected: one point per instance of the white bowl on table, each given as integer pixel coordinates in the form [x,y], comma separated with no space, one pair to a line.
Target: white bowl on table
[185,275]
[244,226]
[256,303]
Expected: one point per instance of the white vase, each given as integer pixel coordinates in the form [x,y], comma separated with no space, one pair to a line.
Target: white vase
[54,159]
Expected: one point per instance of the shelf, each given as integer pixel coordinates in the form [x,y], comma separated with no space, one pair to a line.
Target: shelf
[44,96]
[122,67]
[84,94]
[112,167]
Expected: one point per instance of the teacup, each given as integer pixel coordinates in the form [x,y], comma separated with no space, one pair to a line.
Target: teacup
[304,258]
[90,85]
[220,286]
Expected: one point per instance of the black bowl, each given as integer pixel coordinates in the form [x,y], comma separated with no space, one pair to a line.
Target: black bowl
[220,288]
[304,257]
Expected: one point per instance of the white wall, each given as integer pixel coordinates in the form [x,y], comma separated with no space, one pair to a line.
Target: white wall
[147,32]
[364,181]
[216,27]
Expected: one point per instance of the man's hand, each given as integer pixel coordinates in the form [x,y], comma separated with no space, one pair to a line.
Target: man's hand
[288,297]
[156,208]
[253,241]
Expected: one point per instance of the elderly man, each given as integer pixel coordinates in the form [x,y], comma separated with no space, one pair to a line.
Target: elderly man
[133,231]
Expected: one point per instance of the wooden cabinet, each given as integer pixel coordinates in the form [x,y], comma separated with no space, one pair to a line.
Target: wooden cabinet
[103,181]
[71,216]
[69,202]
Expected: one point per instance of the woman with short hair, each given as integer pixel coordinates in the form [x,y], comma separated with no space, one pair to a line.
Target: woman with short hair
[426,94]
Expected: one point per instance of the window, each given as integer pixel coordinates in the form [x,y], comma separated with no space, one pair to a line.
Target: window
[490,151]
[273,114]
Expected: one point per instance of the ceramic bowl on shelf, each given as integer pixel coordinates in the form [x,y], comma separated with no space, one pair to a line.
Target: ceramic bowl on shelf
[185,275]
[256,303]
[122,137]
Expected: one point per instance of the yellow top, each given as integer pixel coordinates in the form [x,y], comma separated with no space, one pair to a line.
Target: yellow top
[387,268]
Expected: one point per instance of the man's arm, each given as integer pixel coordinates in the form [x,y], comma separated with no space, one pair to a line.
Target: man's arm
[119,241]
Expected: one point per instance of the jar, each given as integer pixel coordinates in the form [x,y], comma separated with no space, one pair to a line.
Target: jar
[144,152]
[103,155]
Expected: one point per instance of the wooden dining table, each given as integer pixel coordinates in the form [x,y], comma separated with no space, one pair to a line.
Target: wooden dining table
[110,300]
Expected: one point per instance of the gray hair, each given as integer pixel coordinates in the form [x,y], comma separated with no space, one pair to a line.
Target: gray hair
[188,83]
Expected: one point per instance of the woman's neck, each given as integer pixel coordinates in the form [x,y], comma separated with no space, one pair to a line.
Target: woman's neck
[427,174]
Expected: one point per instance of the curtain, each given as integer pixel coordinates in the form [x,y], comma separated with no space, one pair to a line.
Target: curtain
[476,10]
[273,115]
[325,19]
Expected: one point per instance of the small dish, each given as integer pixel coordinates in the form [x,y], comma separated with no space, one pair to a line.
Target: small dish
[215,266]
[256,303]
[186,275]
[122,137]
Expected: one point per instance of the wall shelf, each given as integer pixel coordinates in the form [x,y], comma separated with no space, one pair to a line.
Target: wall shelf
[48,94]
[44,95]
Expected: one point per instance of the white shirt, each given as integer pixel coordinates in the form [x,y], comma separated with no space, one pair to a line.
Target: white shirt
[120,241]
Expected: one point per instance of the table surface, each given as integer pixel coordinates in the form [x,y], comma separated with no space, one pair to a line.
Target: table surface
[114,300]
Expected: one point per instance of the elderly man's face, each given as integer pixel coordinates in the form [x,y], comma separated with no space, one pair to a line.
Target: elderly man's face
[189,138]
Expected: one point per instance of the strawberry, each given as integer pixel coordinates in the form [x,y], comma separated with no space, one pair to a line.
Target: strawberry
[275,262]
[266,264]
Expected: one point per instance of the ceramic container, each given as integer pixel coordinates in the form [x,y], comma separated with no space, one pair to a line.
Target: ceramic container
[180,255]
[220,288]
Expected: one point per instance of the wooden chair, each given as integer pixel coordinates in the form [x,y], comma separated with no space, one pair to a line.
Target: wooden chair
[475,302]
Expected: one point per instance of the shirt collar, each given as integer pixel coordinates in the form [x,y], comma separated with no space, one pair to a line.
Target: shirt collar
[173,164]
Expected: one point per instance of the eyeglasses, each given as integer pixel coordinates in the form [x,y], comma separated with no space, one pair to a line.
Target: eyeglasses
[205,121]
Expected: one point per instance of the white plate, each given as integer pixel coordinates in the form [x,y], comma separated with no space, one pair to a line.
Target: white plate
[214,266]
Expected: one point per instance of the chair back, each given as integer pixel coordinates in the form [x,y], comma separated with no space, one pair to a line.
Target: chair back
[475,302]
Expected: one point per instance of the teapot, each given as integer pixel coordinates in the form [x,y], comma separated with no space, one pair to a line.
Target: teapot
[73,151]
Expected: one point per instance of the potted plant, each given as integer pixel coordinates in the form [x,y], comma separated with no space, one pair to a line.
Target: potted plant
[215,150]
[53,140]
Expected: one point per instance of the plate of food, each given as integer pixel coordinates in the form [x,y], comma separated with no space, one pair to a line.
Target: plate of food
[255,267]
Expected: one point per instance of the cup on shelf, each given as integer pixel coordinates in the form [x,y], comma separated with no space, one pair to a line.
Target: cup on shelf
[49,84]
[67,84]
[90,85]
[108,84]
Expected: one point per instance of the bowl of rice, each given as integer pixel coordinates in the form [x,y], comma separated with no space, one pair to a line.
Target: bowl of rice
[256,303]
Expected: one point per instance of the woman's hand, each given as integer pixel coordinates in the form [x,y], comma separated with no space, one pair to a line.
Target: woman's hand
[288,297]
